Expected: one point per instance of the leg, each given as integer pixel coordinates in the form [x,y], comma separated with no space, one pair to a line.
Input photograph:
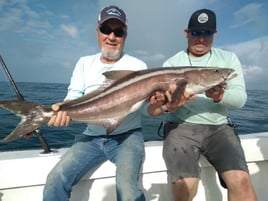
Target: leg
[181,153]
[185,189]
[75,163]
[239,186]
[128,155]
[225,153]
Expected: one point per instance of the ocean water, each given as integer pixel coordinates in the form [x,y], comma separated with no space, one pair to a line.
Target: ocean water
[252,118]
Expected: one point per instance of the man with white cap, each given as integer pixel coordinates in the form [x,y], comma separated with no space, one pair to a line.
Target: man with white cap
[125,146]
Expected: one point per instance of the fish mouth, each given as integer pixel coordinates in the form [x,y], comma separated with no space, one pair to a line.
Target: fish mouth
[229,76]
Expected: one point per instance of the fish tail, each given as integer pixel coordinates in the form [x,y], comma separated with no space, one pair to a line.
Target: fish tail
[33,115]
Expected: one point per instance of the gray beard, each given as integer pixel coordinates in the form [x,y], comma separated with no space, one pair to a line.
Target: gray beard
[111,56]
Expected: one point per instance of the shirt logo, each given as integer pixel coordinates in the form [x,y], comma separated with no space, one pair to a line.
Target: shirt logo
[202,18]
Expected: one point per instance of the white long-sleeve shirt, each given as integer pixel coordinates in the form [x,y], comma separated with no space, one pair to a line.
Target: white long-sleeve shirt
[87,76]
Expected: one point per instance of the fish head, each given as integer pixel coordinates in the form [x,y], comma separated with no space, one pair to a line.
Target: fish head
[202,79]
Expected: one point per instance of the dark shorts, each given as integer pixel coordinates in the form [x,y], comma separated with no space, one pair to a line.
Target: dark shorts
[184,143]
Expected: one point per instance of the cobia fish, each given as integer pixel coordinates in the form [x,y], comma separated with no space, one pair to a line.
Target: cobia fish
[108,106]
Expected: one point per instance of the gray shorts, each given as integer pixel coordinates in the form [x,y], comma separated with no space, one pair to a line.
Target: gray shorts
[184,143]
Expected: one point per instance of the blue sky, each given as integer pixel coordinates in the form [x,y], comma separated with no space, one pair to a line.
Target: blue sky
[41,40]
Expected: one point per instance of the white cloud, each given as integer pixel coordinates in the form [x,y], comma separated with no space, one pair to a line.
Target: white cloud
[20,17]
[252,14]
[252,55]
[251,72]
[252,51]
[152,58]
[70,30]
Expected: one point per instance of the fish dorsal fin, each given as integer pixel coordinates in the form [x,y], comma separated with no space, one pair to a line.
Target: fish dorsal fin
[117,74]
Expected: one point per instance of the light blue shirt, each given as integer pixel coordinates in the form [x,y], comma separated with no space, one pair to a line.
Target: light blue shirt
[87,76]
[202,110]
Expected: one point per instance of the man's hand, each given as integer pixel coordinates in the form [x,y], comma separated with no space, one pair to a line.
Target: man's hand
[157,97]
[183,99]
[216,93]
[161,102]
[61,118]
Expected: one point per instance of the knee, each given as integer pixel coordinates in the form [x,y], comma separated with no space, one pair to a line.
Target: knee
[244,182]
[54,178]
[239,182]
[185,189]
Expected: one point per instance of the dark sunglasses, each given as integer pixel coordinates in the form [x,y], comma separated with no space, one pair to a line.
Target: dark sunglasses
[204,33]
[118,32]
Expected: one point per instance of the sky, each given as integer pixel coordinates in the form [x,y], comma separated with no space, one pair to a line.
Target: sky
[41,40]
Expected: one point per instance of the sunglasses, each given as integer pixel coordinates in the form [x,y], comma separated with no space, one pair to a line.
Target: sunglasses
[118,32]
[199,33]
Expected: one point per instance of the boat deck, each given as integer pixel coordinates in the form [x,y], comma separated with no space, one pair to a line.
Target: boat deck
[23,175]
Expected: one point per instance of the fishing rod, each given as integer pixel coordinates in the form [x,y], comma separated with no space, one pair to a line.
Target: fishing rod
[20,97]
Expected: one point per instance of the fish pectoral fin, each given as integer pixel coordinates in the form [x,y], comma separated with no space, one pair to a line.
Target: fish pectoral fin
[180,87]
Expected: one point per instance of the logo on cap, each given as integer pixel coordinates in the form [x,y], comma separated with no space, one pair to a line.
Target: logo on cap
[202,18]
[113,11]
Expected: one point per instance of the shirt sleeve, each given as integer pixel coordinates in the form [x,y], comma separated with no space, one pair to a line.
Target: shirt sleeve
[235,95]
[77,86]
